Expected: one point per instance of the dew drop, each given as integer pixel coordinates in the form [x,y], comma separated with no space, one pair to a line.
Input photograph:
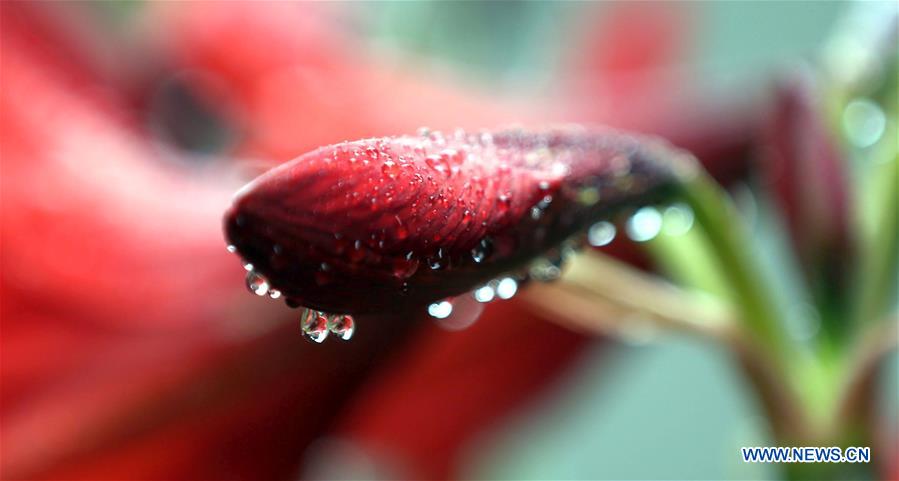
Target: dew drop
[274,293]
[546,269]
[465,311]
[482,251]
[231,248]
[401,231]
[405,267]
[505,201]
[506,288]
[439,163]
[256,283]
[390,168]
[559,169]
[484,293]
[538,209]
[438,260]
[441,309]
[645,224]
[342,326]
[677,220]
[323,274]
[314,325]
[247,266]
[601,233]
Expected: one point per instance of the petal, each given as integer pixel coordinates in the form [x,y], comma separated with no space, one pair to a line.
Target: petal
[372,225]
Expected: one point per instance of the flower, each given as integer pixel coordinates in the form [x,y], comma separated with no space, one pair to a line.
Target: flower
[406,221]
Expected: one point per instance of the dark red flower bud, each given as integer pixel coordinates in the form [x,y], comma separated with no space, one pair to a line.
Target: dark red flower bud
[383,224]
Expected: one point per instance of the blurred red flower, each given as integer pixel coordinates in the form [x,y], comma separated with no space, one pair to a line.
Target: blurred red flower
[129,349]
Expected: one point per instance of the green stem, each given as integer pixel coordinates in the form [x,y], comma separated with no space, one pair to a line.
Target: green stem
[727,237]
[876,279]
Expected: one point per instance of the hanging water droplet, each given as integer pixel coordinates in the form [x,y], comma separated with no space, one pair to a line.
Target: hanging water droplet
[256,283]
[274,293]
[323,274]
[484,293]
[542,205]
[231,248]
[405,267]
[247,266]
[465,311]
[342,325]
[314,325]
[438,260]
[506,288]
[645,224]
[482,251]
[677,219]
[601,233]
[547,268]
[441,309]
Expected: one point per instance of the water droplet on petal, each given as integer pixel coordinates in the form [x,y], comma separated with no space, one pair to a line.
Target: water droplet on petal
[231,248]
[601,233]
[505,201]
[506,288]
[465,311]
[405,267]
[390,168]
[274,293]
[314,325]
[645,224]
[342,325]
[482,251]
[677,219]
[546,269]
[484,293]
[441,309]
[247,266]
[256,283]
[323,274]
[438,260]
